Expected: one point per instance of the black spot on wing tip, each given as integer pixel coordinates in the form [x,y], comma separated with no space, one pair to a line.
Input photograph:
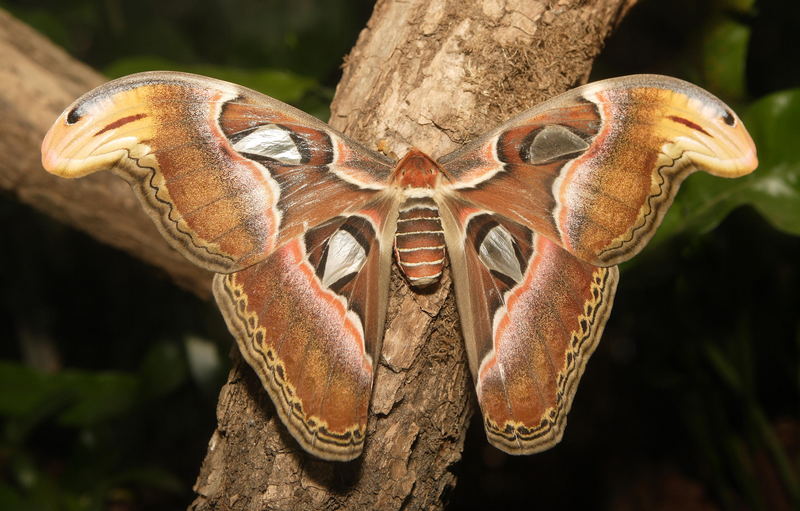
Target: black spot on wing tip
[73,116]
[728,117]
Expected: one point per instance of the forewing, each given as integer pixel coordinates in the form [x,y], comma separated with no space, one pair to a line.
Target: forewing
[227,174]
[595,169]
[532,314]
[309,319]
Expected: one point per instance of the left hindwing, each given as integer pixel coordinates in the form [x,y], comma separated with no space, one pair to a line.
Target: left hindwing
[531,314]
[596,168]
[310,320]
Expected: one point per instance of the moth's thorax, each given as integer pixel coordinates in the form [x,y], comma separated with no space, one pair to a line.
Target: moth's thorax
[416,170]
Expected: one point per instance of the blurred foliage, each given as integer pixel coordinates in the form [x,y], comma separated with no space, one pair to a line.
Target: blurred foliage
[283,85]
[108,382]
[109,374]
[289,50]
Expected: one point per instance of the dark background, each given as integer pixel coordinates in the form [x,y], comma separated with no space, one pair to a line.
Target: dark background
[109,374]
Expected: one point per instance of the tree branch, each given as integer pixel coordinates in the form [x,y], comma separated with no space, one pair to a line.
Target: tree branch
[39,81]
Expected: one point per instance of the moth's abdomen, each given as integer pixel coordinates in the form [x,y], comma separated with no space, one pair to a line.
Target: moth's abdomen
[419,242]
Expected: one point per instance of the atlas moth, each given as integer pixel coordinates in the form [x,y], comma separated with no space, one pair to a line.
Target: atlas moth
[301,223]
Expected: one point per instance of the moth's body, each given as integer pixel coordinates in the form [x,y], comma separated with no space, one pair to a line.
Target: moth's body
[419,244]
[419,241]
[300,223]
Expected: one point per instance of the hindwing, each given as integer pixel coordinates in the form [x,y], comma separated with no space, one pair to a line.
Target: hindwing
[532,314]
[309,319]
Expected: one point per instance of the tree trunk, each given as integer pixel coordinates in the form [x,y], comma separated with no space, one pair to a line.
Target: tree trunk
[430,74]
[424,73]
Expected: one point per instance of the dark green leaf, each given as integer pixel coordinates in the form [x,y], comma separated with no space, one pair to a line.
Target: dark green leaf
[24,389]
[10,499]
[724,56]
[774,189]
[163,369]
[97,396]
[81,397]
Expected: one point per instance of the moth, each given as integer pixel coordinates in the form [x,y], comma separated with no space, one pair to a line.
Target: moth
[300,225]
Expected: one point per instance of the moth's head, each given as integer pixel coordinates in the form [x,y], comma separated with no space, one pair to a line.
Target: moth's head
[95,132]
[417,170]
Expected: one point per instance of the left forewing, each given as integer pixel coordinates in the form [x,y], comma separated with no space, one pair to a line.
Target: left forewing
[227,174]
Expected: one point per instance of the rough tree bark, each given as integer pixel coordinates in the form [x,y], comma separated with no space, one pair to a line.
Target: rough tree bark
[424,73]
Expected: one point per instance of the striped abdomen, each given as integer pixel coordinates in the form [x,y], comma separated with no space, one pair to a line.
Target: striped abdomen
[419,242]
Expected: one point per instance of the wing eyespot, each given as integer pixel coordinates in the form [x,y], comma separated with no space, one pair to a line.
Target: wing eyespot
[270,141]
[345,257]
[550,143]
[497,251]
[338,251]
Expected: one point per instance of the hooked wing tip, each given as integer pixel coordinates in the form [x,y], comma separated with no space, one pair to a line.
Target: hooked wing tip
[54,145]
[74,146]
